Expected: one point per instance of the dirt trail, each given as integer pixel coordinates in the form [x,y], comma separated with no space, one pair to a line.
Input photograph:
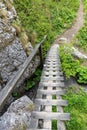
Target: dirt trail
[79,21]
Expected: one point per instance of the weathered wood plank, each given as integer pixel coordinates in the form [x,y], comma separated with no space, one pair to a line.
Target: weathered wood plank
[60,84]
[58,73]
[50,115]
[47,123]
[61,125]
[51,92]
[50,102]
[57,78]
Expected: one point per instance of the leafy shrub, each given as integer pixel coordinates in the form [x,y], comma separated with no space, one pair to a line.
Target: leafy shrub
[77,108]
[72,66]
[29,84]
[82,74]
[69,64]
[82,38]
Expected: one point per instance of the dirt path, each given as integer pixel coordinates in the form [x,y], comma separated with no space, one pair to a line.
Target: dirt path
[79,21]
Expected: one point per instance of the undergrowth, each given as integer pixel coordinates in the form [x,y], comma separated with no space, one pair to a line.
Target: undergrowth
[77,107]
[72,66]
[31,82]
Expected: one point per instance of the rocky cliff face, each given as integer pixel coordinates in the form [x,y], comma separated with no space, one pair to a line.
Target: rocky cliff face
[12,54]
[18,115]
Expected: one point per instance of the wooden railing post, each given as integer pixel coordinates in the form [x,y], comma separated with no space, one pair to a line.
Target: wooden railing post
[41,58]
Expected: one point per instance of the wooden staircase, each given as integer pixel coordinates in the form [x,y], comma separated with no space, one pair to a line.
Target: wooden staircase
[51,88]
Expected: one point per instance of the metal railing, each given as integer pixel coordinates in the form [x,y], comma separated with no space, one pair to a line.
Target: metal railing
[7,90]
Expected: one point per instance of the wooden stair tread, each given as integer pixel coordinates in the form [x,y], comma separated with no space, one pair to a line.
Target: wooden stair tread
[51,102]
[51,115]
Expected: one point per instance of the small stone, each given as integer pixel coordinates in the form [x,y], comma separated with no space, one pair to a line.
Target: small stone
[62,40]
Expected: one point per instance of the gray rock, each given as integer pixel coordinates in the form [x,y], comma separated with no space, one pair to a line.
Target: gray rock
[62,40]
[18,115]
[78,54]
[7,34]
[11,58]
[12,54]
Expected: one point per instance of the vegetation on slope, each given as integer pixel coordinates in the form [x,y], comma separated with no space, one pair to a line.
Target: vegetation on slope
[72,66]
[82,34]
[77,100]
[49,17]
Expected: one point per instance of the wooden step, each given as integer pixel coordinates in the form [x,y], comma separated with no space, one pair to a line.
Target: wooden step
[57,78]
[58,73]
[50,102]
[38,129]
[51,116]
[50,84]
[51,92]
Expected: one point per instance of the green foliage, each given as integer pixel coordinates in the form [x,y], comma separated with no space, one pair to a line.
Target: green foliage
[15,94]
[31,82]
[54,109]
[69,64]
[77,99]
[46,17]
[82,74]
[54,124]
[72,66]
[82,34]
[82,38]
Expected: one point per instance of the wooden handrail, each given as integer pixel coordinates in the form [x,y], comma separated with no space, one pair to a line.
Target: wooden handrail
[6,91]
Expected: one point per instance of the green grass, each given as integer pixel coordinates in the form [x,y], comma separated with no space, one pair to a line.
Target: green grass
[54,124]
[54,97]
[54,109]
[46,17]
[77,107]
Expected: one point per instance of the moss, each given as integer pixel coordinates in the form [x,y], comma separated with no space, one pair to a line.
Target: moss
[31,107]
